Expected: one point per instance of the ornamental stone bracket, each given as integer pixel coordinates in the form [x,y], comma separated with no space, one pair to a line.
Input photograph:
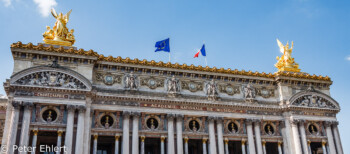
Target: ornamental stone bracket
[313,99]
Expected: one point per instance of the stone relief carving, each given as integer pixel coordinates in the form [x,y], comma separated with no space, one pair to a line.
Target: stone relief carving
[229,89]
[211,90]
[264,92]
[152,82]
[192,86]
[249,92]
[173,85]
[108,78]
[130,81]
[313,101]
[51,79]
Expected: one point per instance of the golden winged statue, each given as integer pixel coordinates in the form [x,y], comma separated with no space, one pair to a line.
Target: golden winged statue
[286,62]
[59,34]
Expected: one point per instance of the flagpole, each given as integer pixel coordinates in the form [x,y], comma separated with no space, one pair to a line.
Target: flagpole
[169,57]
[206,64]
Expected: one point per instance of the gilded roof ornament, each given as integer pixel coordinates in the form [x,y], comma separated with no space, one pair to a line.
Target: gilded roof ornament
[286,62]
[59,34]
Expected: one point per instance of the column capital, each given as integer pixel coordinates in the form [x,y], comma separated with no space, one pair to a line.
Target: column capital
[263,142]
[324,142]
[243,141]
[171,116]
[204,140]
[327,123]
[308,142]
[116,137]
[186,139]
[35,131]
[135,114]
[28,105]
[81,108]
[16,104]
[226,140]
[59,132]
[143,137]
[179,116]
[211,118]
[162,138]
[126,113]
[95,136]
[71,108]
[335,123]
[279,143]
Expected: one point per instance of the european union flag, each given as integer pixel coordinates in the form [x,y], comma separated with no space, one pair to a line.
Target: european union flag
[163,45]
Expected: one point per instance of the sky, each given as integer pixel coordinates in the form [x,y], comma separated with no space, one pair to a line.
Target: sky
[237,34]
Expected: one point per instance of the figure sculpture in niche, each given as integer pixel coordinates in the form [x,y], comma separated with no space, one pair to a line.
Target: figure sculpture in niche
[130,81]
[249,92]
[211,90]
[173,85]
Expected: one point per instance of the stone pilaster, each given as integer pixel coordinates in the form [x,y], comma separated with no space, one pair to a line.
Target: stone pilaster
[80,130]
[251,144]
[135,132]
[126,136]
[179,120]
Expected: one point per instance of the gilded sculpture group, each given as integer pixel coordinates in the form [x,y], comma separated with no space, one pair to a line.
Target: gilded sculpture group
[60,35]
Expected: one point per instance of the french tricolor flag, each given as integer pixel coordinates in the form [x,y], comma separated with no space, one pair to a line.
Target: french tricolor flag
[202,51]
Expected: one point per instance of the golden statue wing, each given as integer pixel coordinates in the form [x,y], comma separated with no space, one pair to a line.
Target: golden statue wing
[53,12]
[67,15]
[280,45]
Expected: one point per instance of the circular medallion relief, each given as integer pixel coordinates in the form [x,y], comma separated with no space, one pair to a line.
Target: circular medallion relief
[313,129]
[229,90]
[194,125]
[108,79]
[106,121]
[269,129]
[232,127]
[49,115]
[152,123]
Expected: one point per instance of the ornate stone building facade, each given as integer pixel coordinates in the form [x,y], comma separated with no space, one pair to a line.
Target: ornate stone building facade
[61,96]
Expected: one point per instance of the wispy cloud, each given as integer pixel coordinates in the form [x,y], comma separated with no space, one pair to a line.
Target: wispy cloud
[348,58]
[7,3]
[44,6]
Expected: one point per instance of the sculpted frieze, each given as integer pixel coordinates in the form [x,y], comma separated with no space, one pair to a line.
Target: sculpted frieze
[51,79]
[313,101]
[192,86]
[108,78]
[229,89]
[151,82]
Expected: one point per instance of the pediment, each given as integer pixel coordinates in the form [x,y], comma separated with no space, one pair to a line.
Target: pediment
[313,99]
[51,77]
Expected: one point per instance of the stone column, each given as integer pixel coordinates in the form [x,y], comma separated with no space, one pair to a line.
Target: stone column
[337,137]
[59,140]
[35,136]
[220,137]
[143,144]
[171,144]
[204,140]
[87,126]
[257,136]
[303,136]
[243,146]
[13,126]
[135,132]
[162,150]
[309,146]
[324,147]
[251,144]
[296,138]
[69,128]
[8,116]
[116,144]
[186,145]
[279,147]
[331,145]
[80,130]
[179,120]
[285,135]
[126,136]
[212,145]
[25,124]
[264,147]
[226,146]
[94,150]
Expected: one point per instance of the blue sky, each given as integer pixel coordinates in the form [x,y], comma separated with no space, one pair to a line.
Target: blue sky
[238,34]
